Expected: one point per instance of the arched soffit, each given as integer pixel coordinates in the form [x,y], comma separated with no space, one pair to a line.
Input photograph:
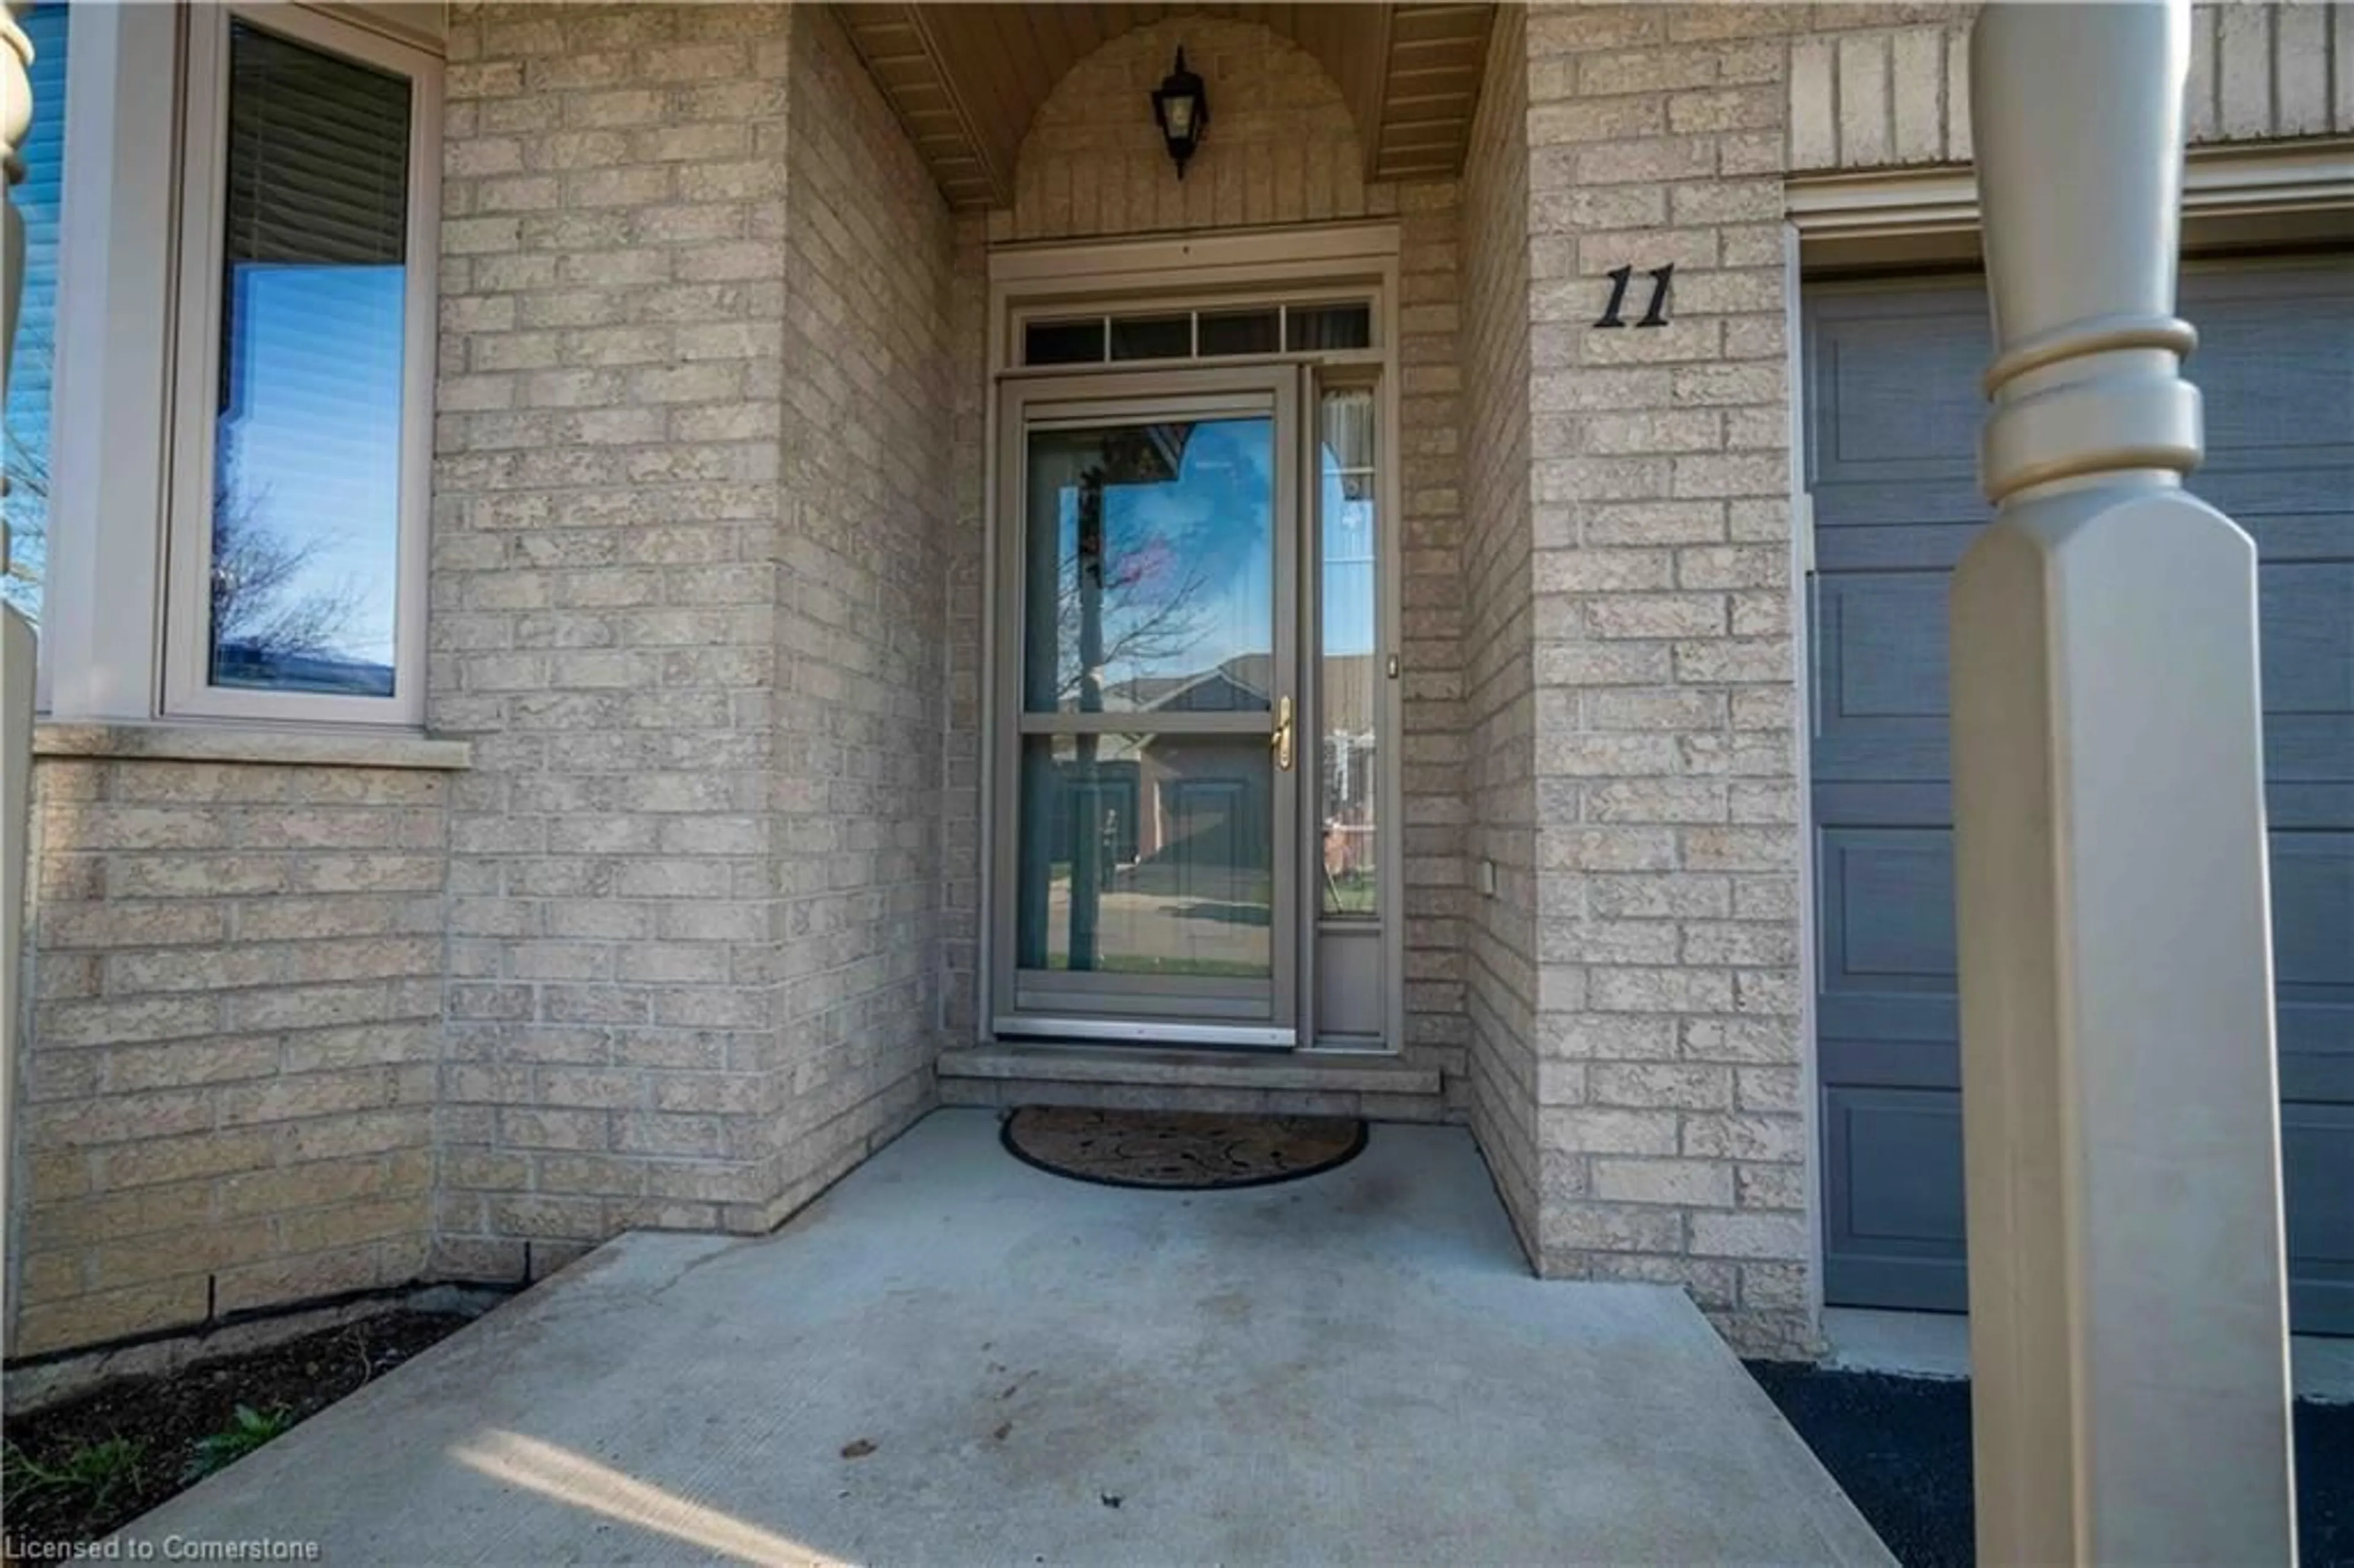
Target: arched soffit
[1282,144]
[968,80]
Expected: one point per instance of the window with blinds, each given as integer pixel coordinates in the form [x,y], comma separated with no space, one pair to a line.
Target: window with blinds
[308,439]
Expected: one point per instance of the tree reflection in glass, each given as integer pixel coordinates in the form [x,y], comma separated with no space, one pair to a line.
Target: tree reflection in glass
[1148,571]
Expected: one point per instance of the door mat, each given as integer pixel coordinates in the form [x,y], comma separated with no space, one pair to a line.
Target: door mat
[1180,1150]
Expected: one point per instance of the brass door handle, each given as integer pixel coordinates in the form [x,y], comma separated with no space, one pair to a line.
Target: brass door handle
[1282,741]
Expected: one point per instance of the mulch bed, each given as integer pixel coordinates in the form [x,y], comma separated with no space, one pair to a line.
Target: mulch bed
[82,1468]
[1900,1447]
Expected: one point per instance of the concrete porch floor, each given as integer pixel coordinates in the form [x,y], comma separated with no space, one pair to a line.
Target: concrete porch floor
[1355,1367]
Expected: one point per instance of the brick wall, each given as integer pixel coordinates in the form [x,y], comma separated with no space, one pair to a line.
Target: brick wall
[686,592]
[1431,592]
[237,1012]
[1500,930]
[1673,1137]
[1890,85]
[604,620]
[861,657]
[963,758]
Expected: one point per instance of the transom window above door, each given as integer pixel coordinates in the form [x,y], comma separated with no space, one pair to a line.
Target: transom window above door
[1211,332]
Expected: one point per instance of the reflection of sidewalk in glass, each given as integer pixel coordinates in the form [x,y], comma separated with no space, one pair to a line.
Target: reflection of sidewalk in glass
[1216,924]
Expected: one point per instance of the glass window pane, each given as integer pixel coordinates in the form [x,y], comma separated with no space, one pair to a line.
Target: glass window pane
[306,478]
[1153,337]
[1150,854]
[1349,688]
[1239,331]
[1312,327]
[1149,568]
[1064,343]
[25,422]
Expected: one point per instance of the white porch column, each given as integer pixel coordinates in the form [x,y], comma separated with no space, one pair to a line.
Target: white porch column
[2128,1323]
[15,634]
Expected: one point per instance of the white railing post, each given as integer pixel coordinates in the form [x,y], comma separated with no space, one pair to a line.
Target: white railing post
[16,655]
[2128,1329]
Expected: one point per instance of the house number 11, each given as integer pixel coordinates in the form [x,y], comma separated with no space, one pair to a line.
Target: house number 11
[1656,315]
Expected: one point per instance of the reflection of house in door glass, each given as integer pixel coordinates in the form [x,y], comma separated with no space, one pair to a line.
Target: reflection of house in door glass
[1209,835]
[1149,559]
[1161,856]
[1205,816]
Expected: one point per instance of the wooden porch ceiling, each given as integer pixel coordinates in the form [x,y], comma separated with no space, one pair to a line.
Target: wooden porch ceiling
[967,79]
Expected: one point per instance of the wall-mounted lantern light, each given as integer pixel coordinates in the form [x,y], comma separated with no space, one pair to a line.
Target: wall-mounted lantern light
[1181,107]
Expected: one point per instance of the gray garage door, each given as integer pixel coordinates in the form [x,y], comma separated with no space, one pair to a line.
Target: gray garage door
[1893,412]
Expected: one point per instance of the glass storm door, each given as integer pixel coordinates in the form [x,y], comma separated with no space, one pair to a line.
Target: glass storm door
[1150,754]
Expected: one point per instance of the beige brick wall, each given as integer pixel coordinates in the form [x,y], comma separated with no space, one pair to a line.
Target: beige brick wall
[1432,598]
[967,593]
[1673,1140]
[861,711]
[1864,93]
[1499,931]
[686,598]
[604,620]
[229,1084]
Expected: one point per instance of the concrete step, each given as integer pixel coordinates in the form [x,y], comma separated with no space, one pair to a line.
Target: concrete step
[1307,1071]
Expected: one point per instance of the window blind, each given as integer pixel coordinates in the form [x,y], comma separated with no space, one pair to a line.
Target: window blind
[318,156]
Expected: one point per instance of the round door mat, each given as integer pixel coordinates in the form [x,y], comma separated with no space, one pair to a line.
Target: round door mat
[1180,1150]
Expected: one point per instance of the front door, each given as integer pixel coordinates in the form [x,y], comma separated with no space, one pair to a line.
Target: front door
[1149,860]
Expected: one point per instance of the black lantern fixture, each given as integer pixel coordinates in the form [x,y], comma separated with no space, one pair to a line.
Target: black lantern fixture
[1181,107]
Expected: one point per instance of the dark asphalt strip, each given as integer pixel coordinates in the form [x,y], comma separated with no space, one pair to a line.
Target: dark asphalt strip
[1901,1446]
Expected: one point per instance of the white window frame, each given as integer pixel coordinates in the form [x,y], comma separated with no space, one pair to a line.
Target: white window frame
[101,597]
[188,690]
